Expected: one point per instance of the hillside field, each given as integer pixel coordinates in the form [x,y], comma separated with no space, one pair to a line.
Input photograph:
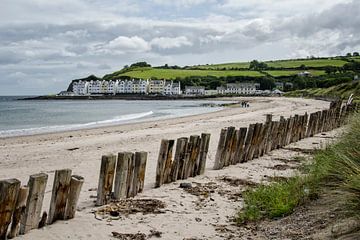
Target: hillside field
[180,73]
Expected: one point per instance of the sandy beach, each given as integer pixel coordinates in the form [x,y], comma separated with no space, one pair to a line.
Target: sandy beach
[185,215]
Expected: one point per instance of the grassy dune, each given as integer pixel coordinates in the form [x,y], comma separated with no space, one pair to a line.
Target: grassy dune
[337,167]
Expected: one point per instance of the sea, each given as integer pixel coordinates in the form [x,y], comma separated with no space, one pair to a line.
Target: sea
[29,117]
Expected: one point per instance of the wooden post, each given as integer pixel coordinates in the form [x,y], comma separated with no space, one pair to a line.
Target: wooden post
[233,147]
[106,179]
[31,218]
[194,154]
[268,118]
[204,148]
[268,137]
[180,158]
[179,155]
[121,175]
[161,164]
[19,211]
[240,147]
[130,176]
[168,162]
[73,197]
[59,195]
[257,143]
[229,142]
[9,190]
[140,168]
[275,135]
[220,150]
[248,141]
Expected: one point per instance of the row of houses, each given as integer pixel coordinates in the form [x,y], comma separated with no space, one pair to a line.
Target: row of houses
[132,86]
[160,87]
[230,88]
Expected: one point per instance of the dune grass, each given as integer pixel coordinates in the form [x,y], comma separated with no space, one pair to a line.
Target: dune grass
[337,167]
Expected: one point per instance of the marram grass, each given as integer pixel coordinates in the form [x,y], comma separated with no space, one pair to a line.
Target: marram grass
[337,167]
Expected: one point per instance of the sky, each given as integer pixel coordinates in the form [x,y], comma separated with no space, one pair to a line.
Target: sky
[45,44]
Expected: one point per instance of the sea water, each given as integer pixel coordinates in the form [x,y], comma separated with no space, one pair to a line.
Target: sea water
[19,117]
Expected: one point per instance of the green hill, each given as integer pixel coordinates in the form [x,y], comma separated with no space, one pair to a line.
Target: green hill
[323,73]
[343,91]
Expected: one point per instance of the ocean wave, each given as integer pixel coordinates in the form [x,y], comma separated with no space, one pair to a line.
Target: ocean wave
[57,128]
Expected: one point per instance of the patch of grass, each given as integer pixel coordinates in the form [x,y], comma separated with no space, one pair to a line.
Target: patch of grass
[181,73]
[243,65]
[337,167]
[306,63]
[285,73]
[272,201]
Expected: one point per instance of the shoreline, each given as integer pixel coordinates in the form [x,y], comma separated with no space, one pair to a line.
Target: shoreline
[81,151]
[229,102]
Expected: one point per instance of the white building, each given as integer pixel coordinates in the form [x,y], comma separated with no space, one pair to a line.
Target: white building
[176,88]
[194,90]
[121,86]
[238,89]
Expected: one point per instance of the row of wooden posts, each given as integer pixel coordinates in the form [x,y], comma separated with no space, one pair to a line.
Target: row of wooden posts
[189,160]
[244,144]
[121,177]
[124,176]
[21,206]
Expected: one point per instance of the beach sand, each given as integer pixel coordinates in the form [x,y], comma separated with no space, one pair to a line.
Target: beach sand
[185,215]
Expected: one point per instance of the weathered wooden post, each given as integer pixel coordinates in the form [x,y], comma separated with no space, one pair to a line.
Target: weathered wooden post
[248,141]
[257,143]
[220,150]
[168,162]
[130,177]
[234,146]
[165,150]
[204,148]
[9,190]
[76,183]
[275,135]
[229,141]
[121,175]
[106,179]
[140,168]
[19,211]
[59,195]
[240,147]
[180,158]
[31,218]
[194,144]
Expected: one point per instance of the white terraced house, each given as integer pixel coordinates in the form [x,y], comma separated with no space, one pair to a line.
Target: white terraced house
[194,90]
[133,86]
[238,88]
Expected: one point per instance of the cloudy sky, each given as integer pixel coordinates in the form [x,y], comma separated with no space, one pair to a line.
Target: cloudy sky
[44,44]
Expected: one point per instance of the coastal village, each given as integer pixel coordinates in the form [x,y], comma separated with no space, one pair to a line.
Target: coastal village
[160,87]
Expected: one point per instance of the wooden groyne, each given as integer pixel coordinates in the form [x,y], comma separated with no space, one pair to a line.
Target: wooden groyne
[21,206]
